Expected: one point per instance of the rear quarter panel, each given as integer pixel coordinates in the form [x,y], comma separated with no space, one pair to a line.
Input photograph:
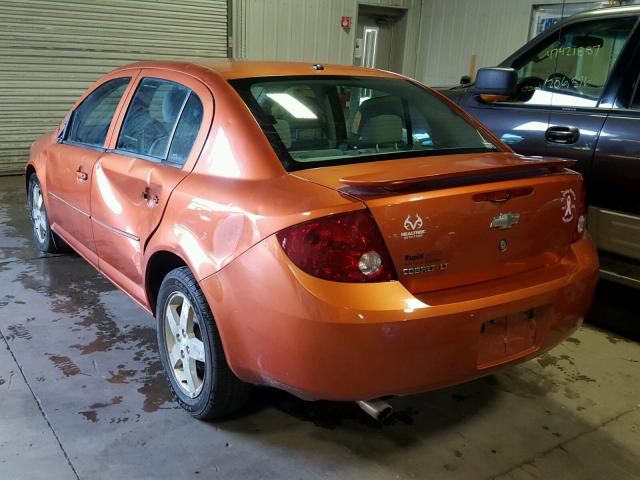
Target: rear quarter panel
[237,194]
[212,220]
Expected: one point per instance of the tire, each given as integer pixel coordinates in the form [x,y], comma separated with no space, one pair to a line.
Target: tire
[46,240]
[191,351]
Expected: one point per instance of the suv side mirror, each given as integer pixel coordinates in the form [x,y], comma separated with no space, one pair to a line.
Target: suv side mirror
[497,81]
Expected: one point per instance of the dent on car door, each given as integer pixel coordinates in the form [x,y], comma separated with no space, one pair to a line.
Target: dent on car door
[157,144]
[71,160]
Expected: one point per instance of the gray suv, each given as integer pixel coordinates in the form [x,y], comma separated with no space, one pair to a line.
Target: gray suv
[574,92]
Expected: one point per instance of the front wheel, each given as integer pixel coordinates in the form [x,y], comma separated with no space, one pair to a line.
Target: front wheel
[46,240]
[191,351]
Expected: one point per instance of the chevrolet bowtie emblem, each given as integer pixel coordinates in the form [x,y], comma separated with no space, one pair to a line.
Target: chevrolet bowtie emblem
[505,221]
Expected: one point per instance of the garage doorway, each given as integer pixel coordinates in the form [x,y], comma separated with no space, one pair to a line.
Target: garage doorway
[380,38]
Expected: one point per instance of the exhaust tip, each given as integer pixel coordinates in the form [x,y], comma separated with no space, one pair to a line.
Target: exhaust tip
[377,409]
[385,414]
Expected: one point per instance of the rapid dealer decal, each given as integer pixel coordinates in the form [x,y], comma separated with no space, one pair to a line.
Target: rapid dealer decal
[413,229]
[410,267]
[568,202]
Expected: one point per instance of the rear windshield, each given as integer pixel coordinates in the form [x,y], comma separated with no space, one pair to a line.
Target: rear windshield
[312,121]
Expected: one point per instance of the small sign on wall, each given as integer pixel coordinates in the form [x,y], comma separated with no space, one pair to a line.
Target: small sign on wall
[358,49]
[345,22]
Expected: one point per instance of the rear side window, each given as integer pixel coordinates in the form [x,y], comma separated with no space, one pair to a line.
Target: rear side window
[152,117]
[186,131]
[162,122]
[90,121]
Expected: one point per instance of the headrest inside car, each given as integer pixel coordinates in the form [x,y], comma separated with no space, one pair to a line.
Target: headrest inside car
[172,103]
[382,130]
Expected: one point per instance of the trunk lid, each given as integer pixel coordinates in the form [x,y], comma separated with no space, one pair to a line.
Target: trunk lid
[455,220]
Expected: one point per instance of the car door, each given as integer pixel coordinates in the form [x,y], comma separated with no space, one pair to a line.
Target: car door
[70,163]
[155,147]
[614,204]
[591,53]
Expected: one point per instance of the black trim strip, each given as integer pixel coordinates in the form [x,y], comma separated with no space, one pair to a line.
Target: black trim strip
[84,145]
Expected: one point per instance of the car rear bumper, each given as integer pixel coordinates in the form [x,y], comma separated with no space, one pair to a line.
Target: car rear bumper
[325,340]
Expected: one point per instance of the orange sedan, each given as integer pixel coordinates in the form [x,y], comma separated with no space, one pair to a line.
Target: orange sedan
[337,232]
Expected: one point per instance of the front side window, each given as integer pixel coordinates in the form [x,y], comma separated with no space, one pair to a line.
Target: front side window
[572,69]
[152,117]
[90,121]
[313,121]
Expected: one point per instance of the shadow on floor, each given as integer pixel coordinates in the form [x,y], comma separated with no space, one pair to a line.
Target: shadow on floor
[615,308]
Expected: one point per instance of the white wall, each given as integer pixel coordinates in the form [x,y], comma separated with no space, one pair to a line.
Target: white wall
[309,30]
[451,31]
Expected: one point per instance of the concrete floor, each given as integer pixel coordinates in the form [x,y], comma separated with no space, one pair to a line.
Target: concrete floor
[82,395]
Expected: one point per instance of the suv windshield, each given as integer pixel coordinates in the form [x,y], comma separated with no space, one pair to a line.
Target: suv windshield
[312,121]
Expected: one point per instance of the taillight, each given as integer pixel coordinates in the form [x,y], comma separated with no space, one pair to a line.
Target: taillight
[345,247]
[581,210]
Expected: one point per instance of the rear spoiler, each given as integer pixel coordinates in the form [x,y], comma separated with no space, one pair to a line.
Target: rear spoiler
[457,173]
[463,168]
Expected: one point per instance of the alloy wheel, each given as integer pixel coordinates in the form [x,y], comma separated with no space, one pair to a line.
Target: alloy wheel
[38,214]
[183,341]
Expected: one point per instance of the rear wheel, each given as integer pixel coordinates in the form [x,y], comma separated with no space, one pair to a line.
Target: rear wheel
[46,240]
[191,350]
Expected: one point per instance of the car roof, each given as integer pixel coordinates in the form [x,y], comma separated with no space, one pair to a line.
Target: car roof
[606,12]
[237,68]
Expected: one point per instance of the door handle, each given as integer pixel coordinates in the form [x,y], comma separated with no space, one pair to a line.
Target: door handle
[562,134]
[81,176]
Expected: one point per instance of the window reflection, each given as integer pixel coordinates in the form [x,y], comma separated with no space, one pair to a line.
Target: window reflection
[572,69]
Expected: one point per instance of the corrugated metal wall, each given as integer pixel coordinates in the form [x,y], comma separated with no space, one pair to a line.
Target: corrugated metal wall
[451,31]
[52,50]
[310,30]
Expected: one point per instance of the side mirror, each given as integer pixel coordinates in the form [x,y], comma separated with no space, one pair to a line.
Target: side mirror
[465,80]
[498,81]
